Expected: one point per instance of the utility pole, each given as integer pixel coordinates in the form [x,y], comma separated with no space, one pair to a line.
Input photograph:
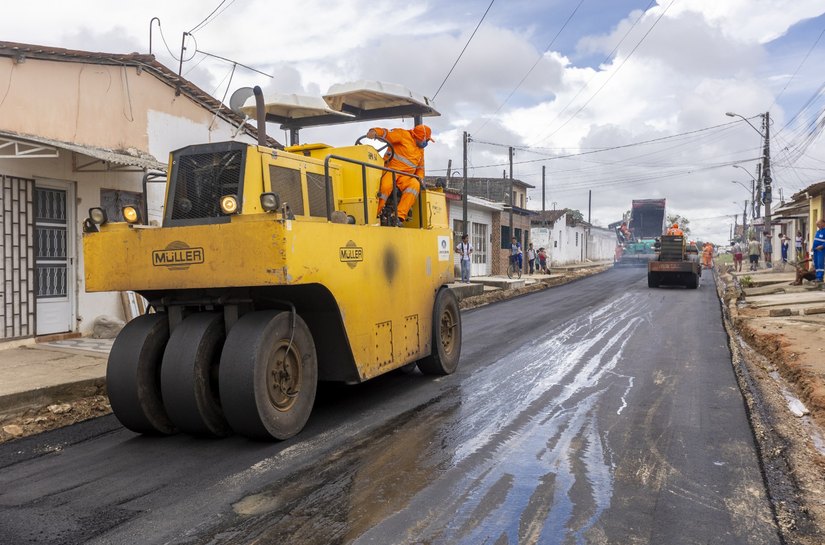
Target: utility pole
[542,187]
[466,189]
[758,201]
[512,197]
[745,221]
[587,241]
[449,170]
[766,172]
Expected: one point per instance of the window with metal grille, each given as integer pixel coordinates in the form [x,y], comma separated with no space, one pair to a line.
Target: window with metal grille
[286,182]
[201,175]
[317,194]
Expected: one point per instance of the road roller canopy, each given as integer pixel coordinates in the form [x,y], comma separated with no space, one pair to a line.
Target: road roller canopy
[345,103]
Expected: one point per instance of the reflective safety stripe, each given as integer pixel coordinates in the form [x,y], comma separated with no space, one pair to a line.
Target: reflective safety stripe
[411,190]
[382,196]
[404,160]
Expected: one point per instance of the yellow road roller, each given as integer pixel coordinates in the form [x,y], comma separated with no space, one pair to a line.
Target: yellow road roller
[268,273]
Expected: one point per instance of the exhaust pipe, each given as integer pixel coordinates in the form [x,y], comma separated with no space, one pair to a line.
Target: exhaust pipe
[260,115]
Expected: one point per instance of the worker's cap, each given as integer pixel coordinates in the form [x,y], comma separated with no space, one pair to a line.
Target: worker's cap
[422,132]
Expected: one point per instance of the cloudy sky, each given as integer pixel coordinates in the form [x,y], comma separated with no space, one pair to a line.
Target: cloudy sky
[562,81]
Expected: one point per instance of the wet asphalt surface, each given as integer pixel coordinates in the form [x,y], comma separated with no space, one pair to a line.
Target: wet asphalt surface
[596,412]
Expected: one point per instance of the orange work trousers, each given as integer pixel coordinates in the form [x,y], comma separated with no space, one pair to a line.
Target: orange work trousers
[409,188]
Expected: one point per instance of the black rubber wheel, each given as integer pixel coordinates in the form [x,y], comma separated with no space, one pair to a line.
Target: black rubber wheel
[446,339]
[268,375]
[133,375]
[189,375]
[652,281]
[693,282]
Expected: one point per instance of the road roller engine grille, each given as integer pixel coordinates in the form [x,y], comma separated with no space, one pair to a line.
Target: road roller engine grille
[200,180]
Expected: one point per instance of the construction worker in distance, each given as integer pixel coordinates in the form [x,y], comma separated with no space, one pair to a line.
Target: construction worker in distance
[674,231]
[707,255]
[408,146]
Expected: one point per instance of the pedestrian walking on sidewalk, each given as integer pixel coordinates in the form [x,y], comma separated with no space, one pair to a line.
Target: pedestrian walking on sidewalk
[465,250]
[767,249]
[531,258]
[542,257]
[753,254]
[784,243]
[516,255]
[737,256]
[819,250]
[800,254]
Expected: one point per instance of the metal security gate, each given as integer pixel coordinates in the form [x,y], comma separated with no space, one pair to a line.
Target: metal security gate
[17,302]
[54,259]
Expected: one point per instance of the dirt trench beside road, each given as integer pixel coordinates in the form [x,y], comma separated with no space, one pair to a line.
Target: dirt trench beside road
[777,358]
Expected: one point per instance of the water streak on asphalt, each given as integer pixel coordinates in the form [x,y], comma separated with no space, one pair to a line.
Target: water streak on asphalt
[552,388]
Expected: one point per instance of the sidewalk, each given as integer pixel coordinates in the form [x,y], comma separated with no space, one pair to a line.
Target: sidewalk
[786,324]
[39,375]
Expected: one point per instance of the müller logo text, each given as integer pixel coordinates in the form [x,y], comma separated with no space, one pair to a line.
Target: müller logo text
[177,255]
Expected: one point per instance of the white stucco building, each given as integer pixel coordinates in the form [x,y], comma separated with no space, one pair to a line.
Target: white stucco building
[80,130]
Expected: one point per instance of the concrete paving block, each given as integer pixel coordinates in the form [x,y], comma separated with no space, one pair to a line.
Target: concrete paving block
[774,312]
[813,310]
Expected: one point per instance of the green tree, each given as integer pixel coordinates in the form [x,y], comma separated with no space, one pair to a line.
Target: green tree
[683,222]
[575,214]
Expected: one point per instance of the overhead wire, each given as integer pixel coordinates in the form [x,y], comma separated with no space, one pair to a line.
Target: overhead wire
[203,22]
[798,68]
[463,50]
[612,73]
[530,71]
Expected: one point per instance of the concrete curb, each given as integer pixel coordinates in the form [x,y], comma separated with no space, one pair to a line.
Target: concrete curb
[17,404]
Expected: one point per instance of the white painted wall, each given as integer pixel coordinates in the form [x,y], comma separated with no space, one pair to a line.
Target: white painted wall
[602,244]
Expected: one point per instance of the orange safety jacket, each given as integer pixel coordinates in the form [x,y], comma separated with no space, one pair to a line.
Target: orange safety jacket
[408,156]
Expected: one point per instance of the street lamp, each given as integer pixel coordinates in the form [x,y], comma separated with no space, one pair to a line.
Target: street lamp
[752,191]
[766,161]
[746,170]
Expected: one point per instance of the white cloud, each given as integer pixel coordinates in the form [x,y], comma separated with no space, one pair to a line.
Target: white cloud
[704,57]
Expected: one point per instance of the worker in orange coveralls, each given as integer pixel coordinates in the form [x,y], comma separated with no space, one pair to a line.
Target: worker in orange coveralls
[707,255]
[408,146]
[675,231]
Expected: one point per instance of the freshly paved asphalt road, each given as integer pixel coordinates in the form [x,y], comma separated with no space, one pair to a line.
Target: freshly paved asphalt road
[597,412]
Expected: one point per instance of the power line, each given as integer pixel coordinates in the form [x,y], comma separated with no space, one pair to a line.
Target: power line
[463,50]
[604,61]
[599,150]
[798,68]
[613,73]
[541,56]
[202,23]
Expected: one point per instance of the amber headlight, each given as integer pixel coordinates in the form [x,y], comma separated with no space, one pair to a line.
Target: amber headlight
[98,216]
[131,214]
[229,204]
[270,201]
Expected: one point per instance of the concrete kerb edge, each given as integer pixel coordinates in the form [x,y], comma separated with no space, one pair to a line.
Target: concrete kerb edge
[779,476]
[17,404]
[541,286]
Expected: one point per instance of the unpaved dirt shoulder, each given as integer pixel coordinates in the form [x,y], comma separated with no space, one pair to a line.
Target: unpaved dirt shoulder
[793,468]
[54,416]
[500,295]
